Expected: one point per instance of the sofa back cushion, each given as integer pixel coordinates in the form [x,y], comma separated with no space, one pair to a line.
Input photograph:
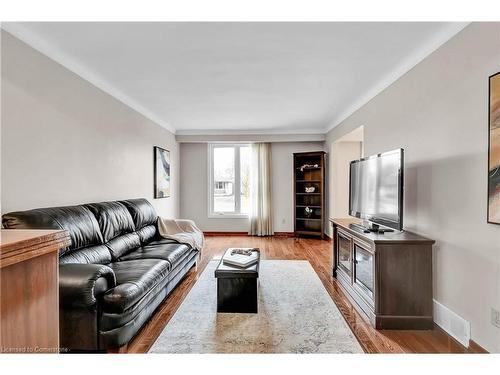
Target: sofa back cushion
[147,234]
[142,212]
[117,227]
[144,217]
[77,220]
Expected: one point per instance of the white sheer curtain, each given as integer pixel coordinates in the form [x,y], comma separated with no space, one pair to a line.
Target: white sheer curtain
[261,205]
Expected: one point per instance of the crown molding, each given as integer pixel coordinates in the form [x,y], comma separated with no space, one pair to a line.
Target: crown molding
[18,31]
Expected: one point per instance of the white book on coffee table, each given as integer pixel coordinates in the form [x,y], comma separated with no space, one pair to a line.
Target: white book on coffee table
[241,260]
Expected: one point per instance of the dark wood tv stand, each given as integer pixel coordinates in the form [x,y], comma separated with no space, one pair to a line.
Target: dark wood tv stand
[388,277]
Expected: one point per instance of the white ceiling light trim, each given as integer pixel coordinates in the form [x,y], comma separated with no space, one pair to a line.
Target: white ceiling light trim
[58,56]
[404,67]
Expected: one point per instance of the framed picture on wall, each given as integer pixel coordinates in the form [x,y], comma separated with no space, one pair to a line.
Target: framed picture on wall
[494,150]
[162,172]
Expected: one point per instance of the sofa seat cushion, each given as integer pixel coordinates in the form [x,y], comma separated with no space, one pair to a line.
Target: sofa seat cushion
[111,321]
[168,250]
[89,255]
[134,280]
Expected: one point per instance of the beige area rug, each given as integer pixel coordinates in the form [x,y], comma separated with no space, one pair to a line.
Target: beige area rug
[296,315]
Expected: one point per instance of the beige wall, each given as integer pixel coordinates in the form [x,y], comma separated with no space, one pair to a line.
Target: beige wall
[194,186]
[66,142]
[438,112]
[340,156]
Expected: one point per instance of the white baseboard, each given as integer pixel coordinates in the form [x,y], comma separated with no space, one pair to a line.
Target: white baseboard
[456,326]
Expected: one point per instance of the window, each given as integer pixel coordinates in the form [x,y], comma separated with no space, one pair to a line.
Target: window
[229,171]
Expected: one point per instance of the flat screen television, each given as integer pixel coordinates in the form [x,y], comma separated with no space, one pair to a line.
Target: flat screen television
[376,189]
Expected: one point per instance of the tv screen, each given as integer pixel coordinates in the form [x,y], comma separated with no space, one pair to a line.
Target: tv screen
[376,189]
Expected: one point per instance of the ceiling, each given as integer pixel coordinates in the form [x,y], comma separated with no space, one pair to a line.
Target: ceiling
[218,78]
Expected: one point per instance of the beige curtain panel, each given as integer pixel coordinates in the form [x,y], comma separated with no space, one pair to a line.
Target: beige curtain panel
[261,206]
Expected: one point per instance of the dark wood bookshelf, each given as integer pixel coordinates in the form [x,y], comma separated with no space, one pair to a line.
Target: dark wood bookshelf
[309,171]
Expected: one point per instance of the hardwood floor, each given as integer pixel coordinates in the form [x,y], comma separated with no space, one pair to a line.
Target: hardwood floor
[318,253]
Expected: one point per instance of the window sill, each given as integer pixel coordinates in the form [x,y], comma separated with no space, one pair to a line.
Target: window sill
[227,216]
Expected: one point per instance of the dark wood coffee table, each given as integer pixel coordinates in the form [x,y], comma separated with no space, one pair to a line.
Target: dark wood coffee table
[237,287]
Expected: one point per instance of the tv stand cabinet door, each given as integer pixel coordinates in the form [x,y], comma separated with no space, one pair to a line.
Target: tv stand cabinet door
[344,255]
[364,274]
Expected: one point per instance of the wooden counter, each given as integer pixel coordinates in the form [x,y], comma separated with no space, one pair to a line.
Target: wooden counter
[29,299]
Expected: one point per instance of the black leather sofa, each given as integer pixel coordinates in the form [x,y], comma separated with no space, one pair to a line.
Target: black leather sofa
[114,274]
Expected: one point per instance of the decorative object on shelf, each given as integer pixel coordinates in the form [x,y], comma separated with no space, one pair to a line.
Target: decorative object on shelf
[305,166]
[162,172]
[494,150]
[310,189]
[308,211]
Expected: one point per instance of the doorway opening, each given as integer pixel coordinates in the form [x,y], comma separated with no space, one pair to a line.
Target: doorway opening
[347,148]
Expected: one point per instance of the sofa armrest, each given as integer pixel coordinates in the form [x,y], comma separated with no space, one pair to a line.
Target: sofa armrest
[81,284]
